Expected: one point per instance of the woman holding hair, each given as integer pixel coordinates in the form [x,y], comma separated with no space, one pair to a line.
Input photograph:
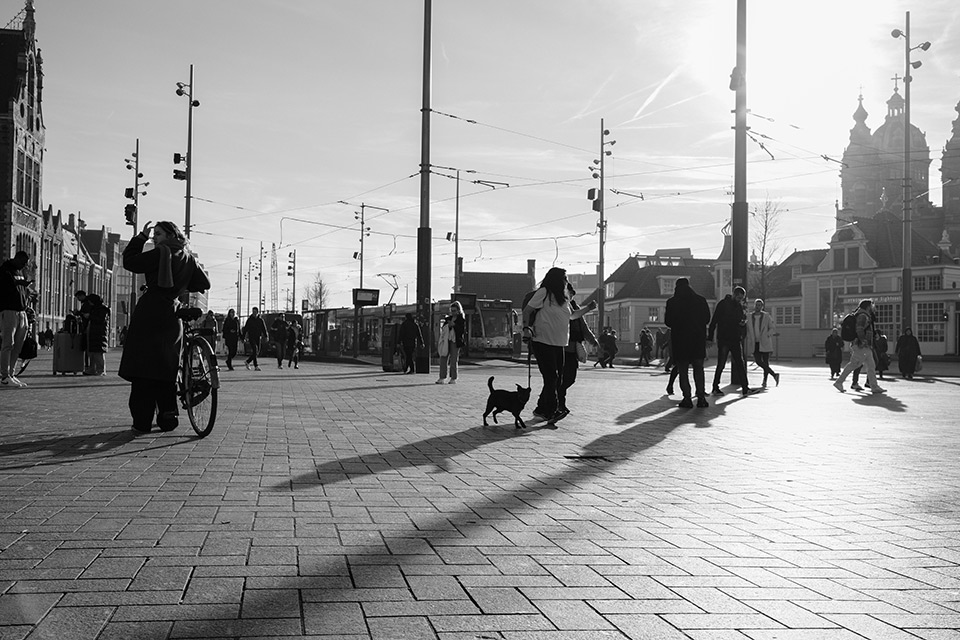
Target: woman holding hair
[549,334]
[453,334]
[151,354]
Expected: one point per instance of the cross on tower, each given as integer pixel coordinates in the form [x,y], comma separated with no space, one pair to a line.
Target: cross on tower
[896,78]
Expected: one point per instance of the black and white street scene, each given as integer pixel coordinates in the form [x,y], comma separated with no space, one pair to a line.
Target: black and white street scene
[459,320]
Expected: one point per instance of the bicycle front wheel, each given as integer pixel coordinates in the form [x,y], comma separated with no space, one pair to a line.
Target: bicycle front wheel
[200,386]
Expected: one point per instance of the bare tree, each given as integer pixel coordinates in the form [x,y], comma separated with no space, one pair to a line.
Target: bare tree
[767,244]
[317,293]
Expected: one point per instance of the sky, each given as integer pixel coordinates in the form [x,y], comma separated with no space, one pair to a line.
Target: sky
[305,104]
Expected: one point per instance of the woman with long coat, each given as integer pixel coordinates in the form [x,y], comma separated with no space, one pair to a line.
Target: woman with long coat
[151,354]
[907,350]
[760,330]
[833,348]
[98,328]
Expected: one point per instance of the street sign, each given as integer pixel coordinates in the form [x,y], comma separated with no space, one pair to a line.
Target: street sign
[366,297]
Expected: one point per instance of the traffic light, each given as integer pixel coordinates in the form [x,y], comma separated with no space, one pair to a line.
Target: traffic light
[129,192]
[130,213]
[177,158]
[292,263]
[179,174]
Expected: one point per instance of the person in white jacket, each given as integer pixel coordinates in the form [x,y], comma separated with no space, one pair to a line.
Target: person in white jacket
[760,330]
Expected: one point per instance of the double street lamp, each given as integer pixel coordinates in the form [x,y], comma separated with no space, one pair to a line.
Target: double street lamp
[906,284]
[186,89]
[597,171]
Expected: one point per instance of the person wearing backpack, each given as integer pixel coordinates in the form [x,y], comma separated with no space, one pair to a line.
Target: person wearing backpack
[861,348]
[548,335]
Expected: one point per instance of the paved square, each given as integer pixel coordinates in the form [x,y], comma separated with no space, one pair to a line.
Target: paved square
[338,501]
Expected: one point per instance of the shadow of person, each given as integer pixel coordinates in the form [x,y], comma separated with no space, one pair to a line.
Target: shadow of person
[68,446]
[431,452]
[882,400]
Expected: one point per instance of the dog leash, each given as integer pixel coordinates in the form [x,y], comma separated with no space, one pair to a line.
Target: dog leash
[529,355]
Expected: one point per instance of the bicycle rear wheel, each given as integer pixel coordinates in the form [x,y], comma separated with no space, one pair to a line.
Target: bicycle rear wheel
[200,386]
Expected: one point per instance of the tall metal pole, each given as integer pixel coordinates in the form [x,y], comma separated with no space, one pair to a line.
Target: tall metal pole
[741,215]
[293,298]
[424,258]
[260,278]
[186,217]
[601,290]
[240,283]
[249,269]
[906,278]
[456,241]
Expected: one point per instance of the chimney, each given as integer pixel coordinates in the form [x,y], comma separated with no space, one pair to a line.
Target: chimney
[532,273]
[72,222]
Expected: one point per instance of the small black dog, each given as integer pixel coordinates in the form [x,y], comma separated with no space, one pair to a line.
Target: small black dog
[509,401]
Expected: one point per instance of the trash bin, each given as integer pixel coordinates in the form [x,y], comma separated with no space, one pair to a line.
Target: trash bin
[391,356]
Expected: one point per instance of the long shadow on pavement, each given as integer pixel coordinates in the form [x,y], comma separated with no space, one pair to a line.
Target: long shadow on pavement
[66,449]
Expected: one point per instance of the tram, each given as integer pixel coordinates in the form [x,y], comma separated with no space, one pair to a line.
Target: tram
[492,327]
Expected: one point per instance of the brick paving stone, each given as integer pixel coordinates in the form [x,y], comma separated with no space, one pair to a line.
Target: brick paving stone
[26,608]
[76,623]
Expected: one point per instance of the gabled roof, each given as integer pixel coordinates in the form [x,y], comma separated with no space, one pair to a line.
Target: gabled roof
[497,286]
[884,235]
[643,282]
[780,282]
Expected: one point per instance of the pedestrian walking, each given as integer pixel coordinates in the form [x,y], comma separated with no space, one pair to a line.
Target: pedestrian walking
[880,347]
[15,295]
[833,350]
[646,347]
[574,353]
[687,314]
[861,349]
[908,352]
[278,336]
[209,329]
[98,328]
[546,324]
[666,352]
[151,357]
[760,330]
[453,337]
[608,342]
[294,343]
[254,331]
[728,324]
[231,336]
[410,337]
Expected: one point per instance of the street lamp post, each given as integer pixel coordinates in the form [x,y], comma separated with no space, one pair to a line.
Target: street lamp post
[240,282]
[598,205]
[187,174]
[358,255]
[906,277]
[455,236]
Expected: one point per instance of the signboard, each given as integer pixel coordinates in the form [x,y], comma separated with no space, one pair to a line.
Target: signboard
[467,300]
[304,307]
[366,297]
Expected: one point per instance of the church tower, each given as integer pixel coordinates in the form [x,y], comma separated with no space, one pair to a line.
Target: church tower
[950,179]
[859,185]
[22,134]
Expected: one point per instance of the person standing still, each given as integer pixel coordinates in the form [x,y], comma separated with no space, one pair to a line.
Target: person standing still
[861,349]
[231,335]
[98,328]
[151,358]
[687,315]
[728,323]
[294,343]
[14,302]
[254,331]
[278,335]
[907,350]
[833,350]
[760,328]
[410,338]
[549,336]
[456,335]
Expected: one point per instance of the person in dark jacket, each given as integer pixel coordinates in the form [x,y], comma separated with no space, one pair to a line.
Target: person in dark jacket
[729,325]
[410,337]
[907,350]
[98,328]
[254,331]
[294,343]
[14,305]
[278,335]
[687,315]
[833,348]
[151,354]
[231,335]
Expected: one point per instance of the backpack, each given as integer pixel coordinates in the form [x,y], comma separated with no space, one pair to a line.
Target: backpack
[848,327]
[526,300]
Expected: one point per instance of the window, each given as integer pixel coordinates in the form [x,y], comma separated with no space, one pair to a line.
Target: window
[667,286]
[839,264]
[787,315]
[919,283]
[796,271]
[928,283]
[610,289]
[935,282]
[853,258]
[888,318]
[930,324]
[653,314]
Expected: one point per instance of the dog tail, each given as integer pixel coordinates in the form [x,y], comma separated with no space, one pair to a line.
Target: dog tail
[490,384]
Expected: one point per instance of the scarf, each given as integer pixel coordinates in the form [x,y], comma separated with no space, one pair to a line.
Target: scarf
[165,268]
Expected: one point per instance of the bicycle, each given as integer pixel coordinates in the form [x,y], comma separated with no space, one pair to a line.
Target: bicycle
[199,376]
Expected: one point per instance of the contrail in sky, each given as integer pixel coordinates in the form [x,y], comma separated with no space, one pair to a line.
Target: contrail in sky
[656,92]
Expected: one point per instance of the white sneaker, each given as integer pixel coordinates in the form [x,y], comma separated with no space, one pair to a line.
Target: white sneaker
[441,381]
[452,381]
[16,381]
[247,365]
